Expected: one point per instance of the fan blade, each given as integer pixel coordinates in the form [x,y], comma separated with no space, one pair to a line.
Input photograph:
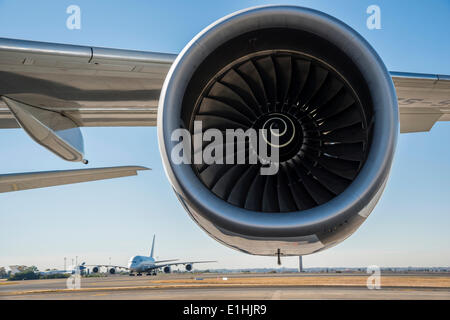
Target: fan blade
[346,151]
[225,94]
[253,200]
[236,82]
[270,195]
[285,197]
[329,90]
[217,122]
[283,67]
[266,69]
[239,192]
[339,103]
[348,117]
[343,168]
[314,82]
[318,192]
[214,107]
[329,180]
[212,174]
[300,75]
[251,75]
[350,134]
[301,196]
[225,184]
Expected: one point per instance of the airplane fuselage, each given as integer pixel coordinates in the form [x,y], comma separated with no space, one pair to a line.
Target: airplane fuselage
[140,263]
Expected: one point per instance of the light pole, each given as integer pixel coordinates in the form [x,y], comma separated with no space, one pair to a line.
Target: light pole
[300,264]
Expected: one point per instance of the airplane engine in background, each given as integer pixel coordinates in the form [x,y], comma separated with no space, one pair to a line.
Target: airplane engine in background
[95,269]
[331,97]
[112,271]
[167,269]
[188,267]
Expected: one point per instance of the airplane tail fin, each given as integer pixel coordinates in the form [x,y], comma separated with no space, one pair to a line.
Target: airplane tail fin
[153,247]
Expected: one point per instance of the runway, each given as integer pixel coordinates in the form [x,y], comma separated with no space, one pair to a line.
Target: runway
[234,286]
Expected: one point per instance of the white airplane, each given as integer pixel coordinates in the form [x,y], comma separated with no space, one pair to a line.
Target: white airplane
[338,108]
[76,269]
[80,268]
[143,264]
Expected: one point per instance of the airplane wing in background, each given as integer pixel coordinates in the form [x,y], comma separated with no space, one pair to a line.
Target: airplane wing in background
[105,266]
[162,261]
[32,180]
[180,263]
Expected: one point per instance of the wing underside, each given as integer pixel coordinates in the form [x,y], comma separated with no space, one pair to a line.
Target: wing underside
[423,99]
[91,86]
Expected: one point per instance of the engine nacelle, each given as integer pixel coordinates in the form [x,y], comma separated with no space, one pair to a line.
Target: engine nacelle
[95,269]
[167,269]
[112,270]
[188,267]
[332,100]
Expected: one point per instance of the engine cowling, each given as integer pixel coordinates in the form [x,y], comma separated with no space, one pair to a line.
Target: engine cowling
[167,269]
[95,269]
[332,99]
[188,267]
[112,270]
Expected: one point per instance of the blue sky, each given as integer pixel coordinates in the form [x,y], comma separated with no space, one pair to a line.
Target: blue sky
[117,218]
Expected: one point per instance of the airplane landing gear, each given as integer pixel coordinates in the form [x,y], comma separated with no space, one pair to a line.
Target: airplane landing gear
[139,274]
[131,274]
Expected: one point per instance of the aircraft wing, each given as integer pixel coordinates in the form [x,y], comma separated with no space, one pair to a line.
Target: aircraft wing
[31,180]
[105,265]
[170,260]
[114,87]
[91,86]
[180,263]
[50,90]
[423,99]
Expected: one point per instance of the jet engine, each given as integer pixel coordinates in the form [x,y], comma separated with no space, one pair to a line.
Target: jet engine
[188,267]
[333,103]
[167,269]
[95,269]
[112,271]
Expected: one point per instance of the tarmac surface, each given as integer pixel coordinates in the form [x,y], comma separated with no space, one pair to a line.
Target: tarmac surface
[185,286]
